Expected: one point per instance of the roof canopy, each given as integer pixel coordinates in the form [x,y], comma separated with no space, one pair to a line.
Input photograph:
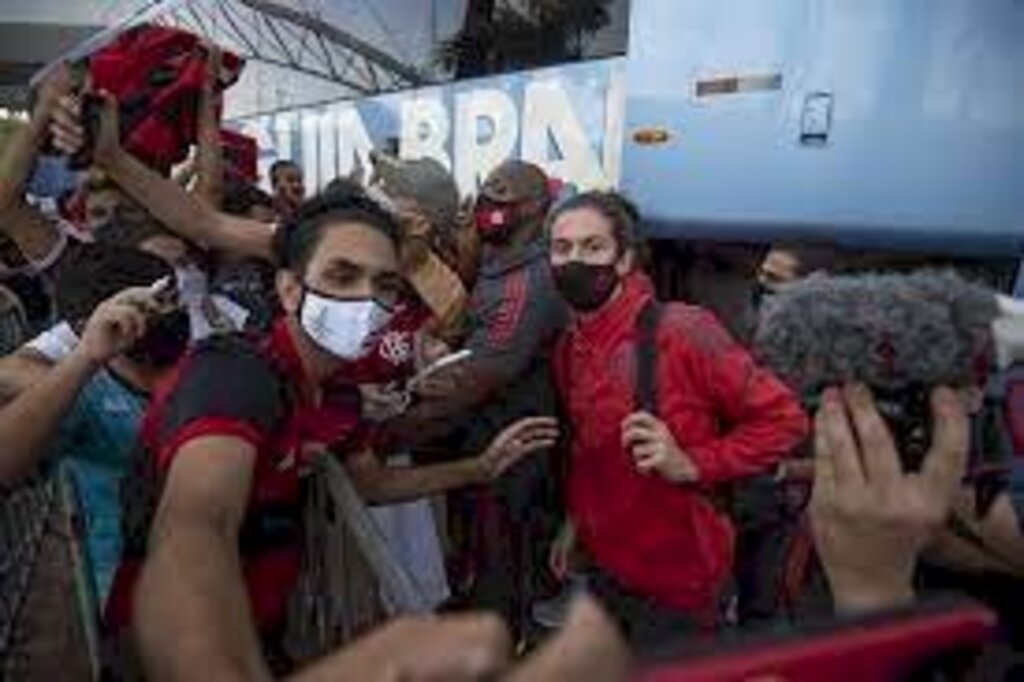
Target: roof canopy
[304,51]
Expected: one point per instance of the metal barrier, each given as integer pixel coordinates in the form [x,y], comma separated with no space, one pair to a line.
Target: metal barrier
[48,619]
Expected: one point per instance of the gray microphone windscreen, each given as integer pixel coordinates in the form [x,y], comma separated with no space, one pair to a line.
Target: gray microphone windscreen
[888,331]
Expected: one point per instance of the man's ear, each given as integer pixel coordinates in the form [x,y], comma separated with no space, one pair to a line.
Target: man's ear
[289,291]
[626,262]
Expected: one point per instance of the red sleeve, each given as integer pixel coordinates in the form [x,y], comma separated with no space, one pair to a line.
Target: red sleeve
[225,388]
[762,421]
[212,426]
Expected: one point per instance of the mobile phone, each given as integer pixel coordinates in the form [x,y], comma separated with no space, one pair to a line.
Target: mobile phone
[444,364]
[165,292]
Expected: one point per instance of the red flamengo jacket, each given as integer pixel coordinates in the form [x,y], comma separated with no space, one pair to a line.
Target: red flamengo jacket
[664,540]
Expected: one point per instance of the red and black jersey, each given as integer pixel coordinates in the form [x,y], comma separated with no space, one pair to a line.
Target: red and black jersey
[392,357]
[249,389]
[157,74]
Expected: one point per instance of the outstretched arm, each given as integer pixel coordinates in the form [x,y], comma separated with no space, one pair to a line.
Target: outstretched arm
[379,483]
[179,211]
[209,155]
[34,236]
[30,420]
[192,611]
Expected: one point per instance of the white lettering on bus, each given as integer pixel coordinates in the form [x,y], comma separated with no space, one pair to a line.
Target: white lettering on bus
[425,130]
[488,128]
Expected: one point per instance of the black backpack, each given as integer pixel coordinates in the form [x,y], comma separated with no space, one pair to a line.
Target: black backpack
[645,391]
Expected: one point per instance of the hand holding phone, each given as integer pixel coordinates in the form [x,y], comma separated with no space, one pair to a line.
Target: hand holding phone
[442,376]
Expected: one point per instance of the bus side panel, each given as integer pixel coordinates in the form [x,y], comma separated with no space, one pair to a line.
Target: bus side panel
[890,123]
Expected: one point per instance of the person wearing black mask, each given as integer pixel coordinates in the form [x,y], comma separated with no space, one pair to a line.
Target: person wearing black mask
[82,415]
[786,263]
[766,520]
[644,460]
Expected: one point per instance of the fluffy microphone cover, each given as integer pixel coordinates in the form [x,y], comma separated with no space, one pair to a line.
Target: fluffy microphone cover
[888,331]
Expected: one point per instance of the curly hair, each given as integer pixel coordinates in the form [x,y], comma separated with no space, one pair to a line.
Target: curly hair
[616,208]
[91,273]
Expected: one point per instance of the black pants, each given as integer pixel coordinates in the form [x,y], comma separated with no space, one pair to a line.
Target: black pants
[764,526]
[515,522]
[652,630]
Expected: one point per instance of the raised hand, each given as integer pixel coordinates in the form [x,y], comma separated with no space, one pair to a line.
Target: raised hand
[68,128]
[526,436]
[871,519]
[117,323]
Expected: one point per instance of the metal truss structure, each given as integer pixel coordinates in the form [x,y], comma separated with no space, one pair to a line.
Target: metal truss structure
[300,41]
[282,36]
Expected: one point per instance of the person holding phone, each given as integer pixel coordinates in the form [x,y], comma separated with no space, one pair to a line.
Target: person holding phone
[83,414]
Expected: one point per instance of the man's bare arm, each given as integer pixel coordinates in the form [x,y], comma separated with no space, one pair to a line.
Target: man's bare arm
[209,155]
[34,236]
[37,237]
[381,484]
[192,614]
[184,214]
[447,401]
[30,420]
[19,370]
[179,211]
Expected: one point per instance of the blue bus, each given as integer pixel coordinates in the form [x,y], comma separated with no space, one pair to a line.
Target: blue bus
[877,123]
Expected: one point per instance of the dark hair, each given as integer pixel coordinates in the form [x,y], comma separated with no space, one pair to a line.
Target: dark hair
[343,186]
[620,212]
[242,197]
[91,273]
[280,165]
[297,239]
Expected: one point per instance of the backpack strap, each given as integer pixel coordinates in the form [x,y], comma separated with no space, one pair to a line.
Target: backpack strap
[645,391]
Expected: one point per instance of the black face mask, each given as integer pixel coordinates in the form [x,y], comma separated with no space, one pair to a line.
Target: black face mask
[584,286]
[760,294]
[165,341]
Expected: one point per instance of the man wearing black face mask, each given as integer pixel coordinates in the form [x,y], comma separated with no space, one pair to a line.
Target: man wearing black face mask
[763,513]
[644,462]
[83,414]
[788,263]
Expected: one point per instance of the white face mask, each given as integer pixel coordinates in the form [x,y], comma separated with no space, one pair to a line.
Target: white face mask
[343,328]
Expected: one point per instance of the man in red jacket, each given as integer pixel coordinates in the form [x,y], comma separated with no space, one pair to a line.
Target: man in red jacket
[641,488]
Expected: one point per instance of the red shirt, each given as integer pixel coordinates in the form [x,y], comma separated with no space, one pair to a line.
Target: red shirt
[660,539]
[392,357]
[229,385]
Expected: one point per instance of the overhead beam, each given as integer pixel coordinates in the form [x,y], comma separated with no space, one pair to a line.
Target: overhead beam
[342,38]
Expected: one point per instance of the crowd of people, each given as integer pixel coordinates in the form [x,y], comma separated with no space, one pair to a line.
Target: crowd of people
[607,477]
